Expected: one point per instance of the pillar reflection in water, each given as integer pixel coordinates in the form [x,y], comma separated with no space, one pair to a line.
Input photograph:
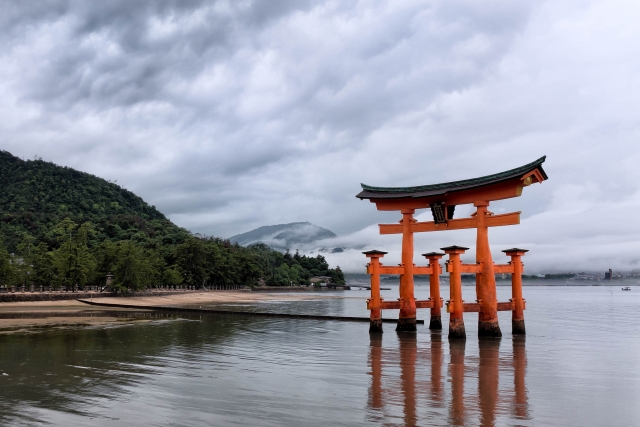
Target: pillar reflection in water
[456,372]
[436,367]
[488,379]
[408,354]
[382,393]
[375,362]
[521,402]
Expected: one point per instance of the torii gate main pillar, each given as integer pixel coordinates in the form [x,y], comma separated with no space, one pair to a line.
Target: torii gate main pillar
[407,318]
[485,280]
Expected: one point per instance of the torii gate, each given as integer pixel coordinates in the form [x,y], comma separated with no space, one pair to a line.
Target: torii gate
[442,199]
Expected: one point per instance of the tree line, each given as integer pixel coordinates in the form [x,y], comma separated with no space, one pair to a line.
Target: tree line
[71,257]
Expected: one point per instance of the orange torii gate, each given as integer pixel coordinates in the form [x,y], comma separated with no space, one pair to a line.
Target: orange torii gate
[442,199]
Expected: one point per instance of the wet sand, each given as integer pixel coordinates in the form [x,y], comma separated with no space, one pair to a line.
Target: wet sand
[33,316]
[20,317]
[214,297]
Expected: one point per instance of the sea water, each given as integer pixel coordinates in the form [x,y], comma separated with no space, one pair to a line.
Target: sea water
[577,366]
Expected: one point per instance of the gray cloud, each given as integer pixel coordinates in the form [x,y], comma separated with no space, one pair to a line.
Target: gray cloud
[229,115]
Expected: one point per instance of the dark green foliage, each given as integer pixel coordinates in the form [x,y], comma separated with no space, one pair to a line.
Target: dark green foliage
[284,269]
[6,266]
[132,268]
[37,266]
[37,195]
[68,228]
[192,261]
[198,262]
[73,260]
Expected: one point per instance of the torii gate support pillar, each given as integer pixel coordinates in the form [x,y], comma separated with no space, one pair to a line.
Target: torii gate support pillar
[374,303]
[455,305]
[517,315]
[485,279]
[407,317]
[434,290]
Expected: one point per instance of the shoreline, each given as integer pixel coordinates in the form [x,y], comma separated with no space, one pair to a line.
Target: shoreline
[25,296]
[32,316]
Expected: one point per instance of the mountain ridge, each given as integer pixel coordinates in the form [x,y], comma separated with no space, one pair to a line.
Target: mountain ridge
[283,236]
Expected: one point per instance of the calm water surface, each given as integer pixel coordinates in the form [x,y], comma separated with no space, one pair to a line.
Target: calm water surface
[578,366]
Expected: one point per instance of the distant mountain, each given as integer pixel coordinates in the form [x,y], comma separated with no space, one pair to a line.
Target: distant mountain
[283,236]
[36,195]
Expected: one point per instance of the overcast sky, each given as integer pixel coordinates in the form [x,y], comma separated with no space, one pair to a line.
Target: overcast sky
[229,115]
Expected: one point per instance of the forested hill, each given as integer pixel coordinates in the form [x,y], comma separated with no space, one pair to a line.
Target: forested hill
[61,227]
[37,195]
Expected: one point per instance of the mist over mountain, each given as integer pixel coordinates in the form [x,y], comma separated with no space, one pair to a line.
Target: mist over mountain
[283,236]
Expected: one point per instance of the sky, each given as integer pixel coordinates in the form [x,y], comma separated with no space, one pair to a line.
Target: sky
[230,115]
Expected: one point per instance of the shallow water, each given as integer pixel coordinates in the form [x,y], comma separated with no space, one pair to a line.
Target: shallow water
[577,367]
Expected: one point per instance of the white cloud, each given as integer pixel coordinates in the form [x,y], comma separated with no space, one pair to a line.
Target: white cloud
[232,115]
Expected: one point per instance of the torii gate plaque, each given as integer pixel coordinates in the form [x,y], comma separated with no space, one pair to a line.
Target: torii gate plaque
[442,199]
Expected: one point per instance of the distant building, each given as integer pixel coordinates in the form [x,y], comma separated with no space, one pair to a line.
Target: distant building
[608,275]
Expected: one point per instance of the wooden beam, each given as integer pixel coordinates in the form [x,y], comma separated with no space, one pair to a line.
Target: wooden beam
[395,305]
[392,270]
[512,218]
[427,303]
[390,305]
[474,307]
[469,307]
[503,268]
[387,270]
[467,268]
[422,270]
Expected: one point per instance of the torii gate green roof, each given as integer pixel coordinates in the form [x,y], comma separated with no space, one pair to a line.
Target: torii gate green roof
[369,192]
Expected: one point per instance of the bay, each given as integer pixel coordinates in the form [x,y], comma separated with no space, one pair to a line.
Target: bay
[578,366]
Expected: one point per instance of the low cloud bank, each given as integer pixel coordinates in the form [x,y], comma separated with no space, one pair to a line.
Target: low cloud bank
[556,238]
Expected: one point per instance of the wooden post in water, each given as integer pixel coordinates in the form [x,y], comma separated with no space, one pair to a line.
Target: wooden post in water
[373,303]
[434,289]
[485,279]
[517,315]
[407,318]
[455,305]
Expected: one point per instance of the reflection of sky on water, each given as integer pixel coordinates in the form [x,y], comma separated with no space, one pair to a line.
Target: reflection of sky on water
[353,302]
[577,367]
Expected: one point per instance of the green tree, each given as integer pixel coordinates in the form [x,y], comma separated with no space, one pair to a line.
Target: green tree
[336,275]
[281,276]
[106,256]
[171,276]
[37,266]
[191,260]
[132,270]
[6,267]
[73,261]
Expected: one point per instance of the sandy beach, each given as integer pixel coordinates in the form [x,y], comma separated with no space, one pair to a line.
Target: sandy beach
[32,316]
[214,297]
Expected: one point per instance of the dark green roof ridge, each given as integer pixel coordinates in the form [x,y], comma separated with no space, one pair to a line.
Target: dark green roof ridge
[463,183]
